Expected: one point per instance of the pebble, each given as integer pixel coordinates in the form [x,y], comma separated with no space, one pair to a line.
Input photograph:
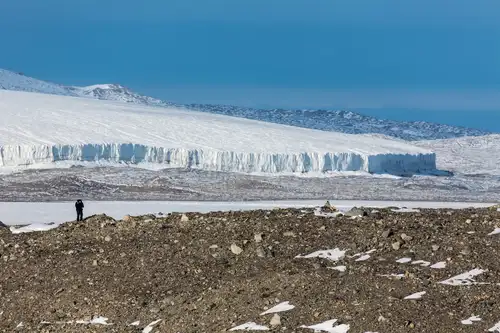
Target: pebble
[435,247]
[275,320]
[396,245]
[260,252]
[107,239]
[236,249]
[289,234]
[184,218]
[258,238]
[406,238]
[387,233]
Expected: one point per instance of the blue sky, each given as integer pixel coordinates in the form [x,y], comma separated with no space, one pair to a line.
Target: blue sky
[385,57]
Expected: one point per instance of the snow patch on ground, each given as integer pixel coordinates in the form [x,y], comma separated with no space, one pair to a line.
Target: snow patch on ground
[329,326]
[464,279]
[282,307]
[416,295]
[251,326]
[494,232]
[150,326]
[495,328]
[439,265]
[471,320]
[332,255]
[341,268]
[403,260]
[422,263]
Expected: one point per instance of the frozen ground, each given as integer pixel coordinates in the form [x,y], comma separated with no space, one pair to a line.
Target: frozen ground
[41,213]
[40,128]
[115,183]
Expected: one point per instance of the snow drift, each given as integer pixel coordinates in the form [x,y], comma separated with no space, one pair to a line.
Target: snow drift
[38,128]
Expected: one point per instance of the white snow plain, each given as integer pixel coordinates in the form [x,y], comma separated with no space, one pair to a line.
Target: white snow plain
[38,214]
[39,128]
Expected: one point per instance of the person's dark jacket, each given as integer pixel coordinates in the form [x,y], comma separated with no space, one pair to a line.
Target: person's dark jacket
[79,205]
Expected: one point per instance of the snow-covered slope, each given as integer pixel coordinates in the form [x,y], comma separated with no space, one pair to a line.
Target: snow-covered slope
[468,155]
[327,120]
[19,82]
[38,128]
[115,92]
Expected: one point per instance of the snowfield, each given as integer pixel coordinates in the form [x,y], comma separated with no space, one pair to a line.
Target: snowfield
[468,155]
[41,129]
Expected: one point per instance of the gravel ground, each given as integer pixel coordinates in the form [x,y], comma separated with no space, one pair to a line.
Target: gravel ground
[115,183]
[211,272]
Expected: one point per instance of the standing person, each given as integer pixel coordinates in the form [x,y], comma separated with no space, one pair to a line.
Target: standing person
[79,210]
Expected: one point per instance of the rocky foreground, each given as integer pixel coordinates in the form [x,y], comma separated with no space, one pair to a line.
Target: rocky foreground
[214,272]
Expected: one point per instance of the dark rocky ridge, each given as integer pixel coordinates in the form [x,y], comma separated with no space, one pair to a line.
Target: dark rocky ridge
[184,272]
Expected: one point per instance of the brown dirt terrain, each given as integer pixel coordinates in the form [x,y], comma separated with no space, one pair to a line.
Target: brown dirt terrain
[188,273]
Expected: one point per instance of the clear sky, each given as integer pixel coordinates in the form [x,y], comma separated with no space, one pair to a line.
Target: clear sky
[381,56]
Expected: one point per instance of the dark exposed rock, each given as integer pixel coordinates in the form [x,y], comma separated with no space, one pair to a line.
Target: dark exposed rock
[187,275]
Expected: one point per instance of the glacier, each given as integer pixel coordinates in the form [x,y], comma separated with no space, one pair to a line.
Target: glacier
[40,129]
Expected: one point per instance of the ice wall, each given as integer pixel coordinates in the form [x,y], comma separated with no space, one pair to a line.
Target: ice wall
[216,160]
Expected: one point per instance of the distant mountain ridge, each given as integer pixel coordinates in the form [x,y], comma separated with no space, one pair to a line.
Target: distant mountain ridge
[326,120]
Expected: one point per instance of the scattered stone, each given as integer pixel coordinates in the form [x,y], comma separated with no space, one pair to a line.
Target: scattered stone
[260,252]
[328,207]
[127,218]
[275,320]
[236,249]
[184,218]
[387,233]
[435,248]
[258,237]
[396,245]
[406,238]
[468,221]
[107,238]
[289,234]
[356,212]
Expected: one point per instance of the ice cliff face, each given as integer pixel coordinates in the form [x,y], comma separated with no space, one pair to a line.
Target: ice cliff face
[326,120]
[38,128]
[213,160]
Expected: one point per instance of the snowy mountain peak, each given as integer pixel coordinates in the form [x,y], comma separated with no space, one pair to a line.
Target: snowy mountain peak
[115,92]
[327,120]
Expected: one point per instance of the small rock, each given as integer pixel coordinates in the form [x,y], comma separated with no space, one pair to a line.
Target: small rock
[107,239]
[212,247]
[236,249]
[289,234]
[127,218]
[387,233]
[468,221]
[435,247]
[257,237]
[94,263]
[275,320]
[260,252]
[396,245]
[406,238]
[184,218]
